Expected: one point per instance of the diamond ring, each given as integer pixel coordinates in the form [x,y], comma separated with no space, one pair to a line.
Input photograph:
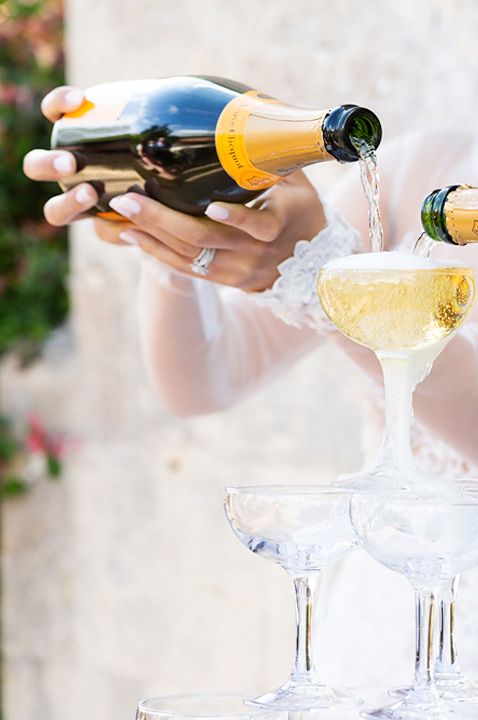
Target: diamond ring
[200,264]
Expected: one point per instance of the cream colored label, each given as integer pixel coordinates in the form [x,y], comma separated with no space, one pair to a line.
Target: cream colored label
[259,140]
[461,213]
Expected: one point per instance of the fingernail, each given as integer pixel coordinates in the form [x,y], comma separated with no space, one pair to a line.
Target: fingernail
[74,98]
[125,206]
[64,163]
[128,237]
[36,154]
[216,212]
[85,196]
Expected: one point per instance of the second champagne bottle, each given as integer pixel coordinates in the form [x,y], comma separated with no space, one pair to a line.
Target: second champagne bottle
[187,141]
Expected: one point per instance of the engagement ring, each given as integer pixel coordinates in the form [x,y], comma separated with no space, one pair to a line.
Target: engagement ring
[200,265]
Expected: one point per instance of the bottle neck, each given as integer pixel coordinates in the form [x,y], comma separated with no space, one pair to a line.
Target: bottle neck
[434,219]
[259,140]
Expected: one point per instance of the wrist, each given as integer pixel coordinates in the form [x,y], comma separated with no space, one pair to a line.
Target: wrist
[293,296]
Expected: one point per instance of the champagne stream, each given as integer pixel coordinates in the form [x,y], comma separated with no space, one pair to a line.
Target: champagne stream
[371,186]
[423,246]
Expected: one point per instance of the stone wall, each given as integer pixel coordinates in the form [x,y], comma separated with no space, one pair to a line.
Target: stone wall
[124,579]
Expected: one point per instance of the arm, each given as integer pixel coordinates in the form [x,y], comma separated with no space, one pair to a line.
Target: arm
[206,348]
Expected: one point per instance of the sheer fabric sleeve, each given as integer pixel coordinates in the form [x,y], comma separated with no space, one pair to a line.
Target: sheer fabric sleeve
[207,347]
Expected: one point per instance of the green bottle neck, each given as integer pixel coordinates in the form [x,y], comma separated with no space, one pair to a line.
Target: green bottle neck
[434,217]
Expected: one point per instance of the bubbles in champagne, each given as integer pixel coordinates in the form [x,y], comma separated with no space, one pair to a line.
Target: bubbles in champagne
[395,302]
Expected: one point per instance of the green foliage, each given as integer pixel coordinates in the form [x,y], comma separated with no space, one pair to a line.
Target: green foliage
[33,256]
[8,444]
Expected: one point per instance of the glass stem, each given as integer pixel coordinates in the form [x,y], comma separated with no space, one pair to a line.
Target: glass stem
[447,662]
[395,451]
[425,610]
[305,587]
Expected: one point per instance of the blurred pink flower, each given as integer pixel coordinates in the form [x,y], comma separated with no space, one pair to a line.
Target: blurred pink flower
[39,440]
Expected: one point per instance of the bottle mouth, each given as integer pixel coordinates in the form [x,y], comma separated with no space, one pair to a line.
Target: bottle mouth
[363,125]
[349,123]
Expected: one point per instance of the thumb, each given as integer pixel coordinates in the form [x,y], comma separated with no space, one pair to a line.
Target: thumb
[263,223]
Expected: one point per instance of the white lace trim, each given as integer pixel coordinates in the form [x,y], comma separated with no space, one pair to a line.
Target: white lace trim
[293,297]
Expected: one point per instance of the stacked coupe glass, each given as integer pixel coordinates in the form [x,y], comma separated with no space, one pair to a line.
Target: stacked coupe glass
[405,309]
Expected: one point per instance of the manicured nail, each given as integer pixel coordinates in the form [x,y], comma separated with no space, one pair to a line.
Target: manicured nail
[37,154]
[217,212]
[128,237]
[85,196]
[74,99]
[64,163]
[125,206]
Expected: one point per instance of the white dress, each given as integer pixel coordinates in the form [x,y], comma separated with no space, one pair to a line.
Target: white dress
[234,344]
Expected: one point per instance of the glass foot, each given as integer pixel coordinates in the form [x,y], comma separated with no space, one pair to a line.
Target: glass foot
[401,711]
[303,696]
[414,706]
[454,687]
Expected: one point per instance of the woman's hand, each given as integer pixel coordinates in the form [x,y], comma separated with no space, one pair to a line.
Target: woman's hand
[57,164]
[250,242]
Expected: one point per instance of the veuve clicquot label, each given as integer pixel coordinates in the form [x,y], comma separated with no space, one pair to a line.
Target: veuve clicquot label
[259,139]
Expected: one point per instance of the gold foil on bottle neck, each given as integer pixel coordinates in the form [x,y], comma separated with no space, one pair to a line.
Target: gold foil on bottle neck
[259,140]
[461,215]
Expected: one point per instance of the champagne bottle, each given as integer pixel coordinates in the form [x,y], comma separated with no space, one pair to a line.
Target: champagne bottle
[450,214]
[187,141]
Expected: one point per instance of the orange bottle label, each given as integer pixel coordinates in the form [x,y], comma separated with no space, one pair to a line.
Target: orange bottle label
[259,140]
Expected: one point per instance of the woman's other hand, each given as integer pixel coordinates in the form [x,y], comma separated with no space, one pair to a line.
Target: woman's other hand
[57,164]
[250,242]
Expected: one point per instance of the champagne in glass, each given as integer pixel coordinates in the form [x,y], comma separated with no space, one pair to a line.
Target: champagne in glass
[405,308]
[392,302]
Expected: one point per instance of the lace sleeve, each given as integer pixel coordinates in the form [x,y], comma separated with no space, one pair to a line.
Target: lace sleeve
[293,297]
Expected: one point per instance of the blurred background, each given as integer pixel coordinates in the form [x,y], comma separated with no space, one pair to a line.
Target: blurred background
[120,576]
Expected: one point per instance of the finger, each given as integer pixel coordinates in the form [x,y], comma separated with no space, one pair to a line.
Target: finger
[155,218]
[262,224]
[110,231]
[48,164]
[217,271]
[119,234]
[63,209]
[61,100]
[134,237]
[226,267]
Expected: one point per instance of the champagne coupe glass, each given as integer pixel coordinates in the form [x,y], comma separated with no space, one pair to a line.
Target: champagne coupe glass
[405,309]
[204,706]
[429,538]
[304,529]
